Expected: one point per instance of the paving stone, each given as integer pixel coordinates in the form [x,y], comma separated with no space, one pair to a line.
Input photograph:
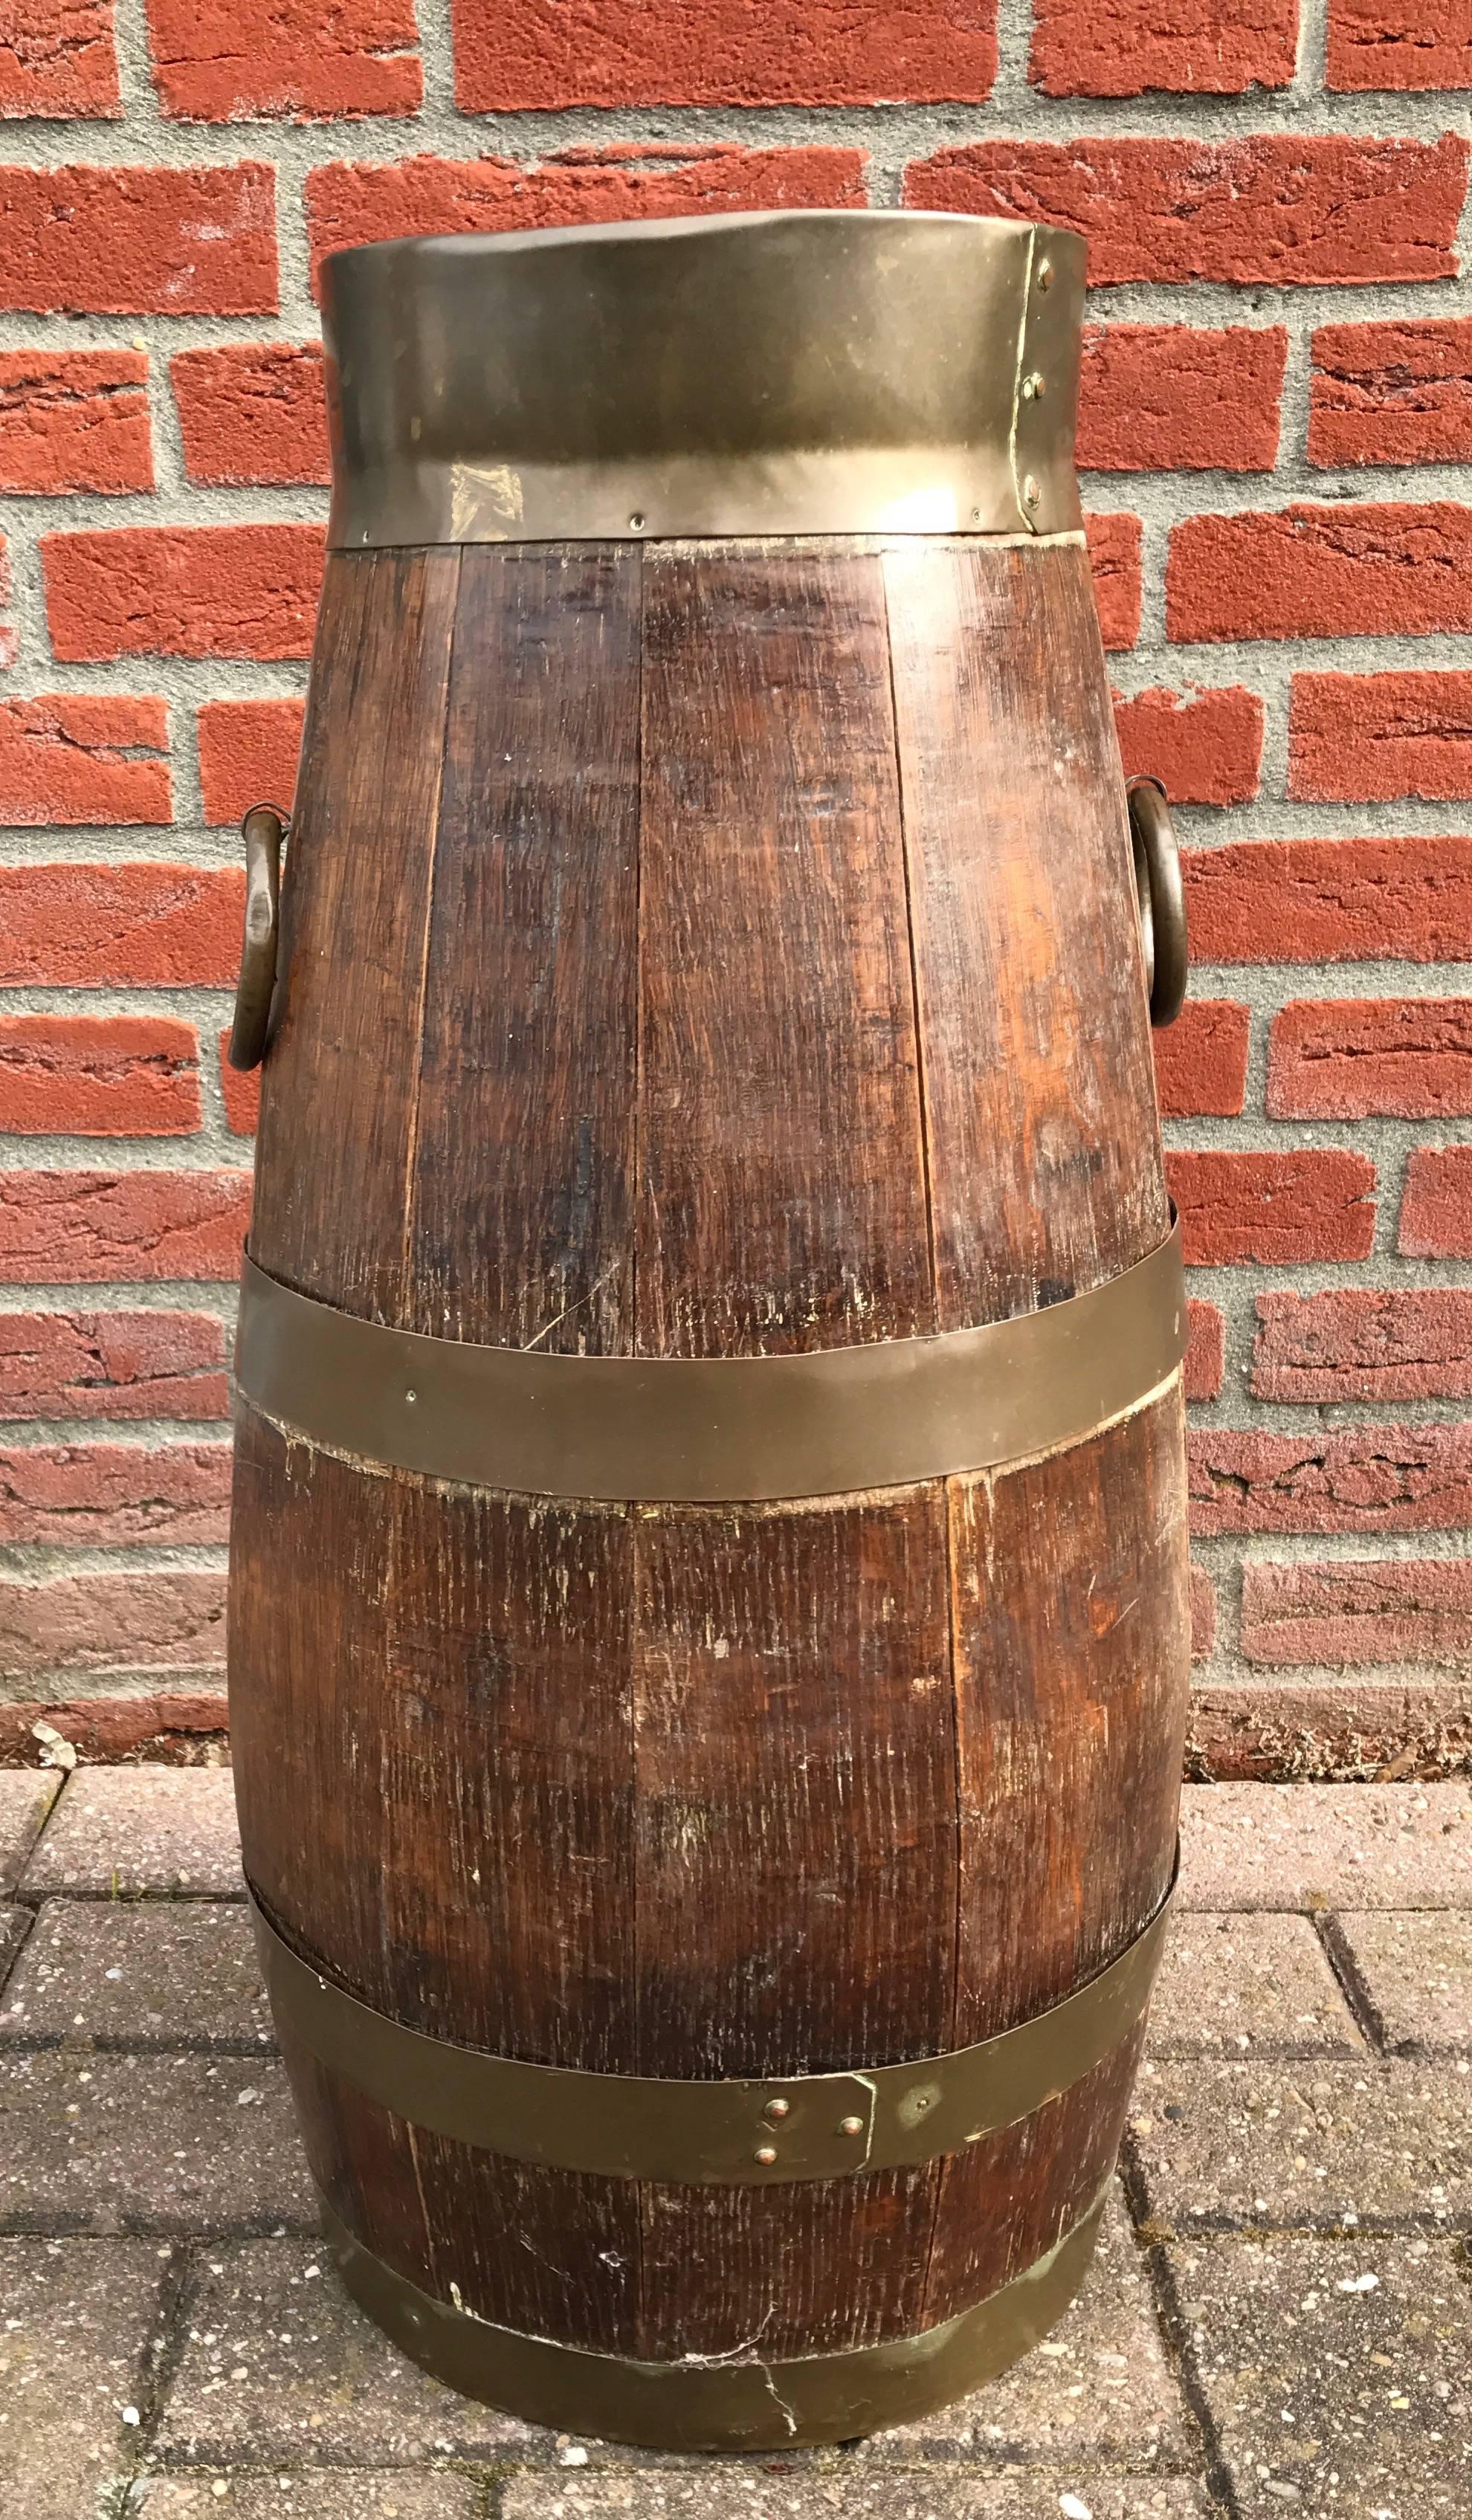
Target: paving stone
[728,2490]
[313,2493]
[1417,1971]
[1098,2389]
[152,2143]
[74,2322]
[26,1795]
[122,1831]
[1337,2373]
[155,1973]
[1318,2143]
[1326,1846]
[13,1924]
[279,2367]
[1255,1983]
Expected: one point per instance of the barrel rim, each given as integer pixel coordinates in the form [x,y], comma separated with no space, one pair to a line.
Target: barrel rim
[478,242]
[766,373]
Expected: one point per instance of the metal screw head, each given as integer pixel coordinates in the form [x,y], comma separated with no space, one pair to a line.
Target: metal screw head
[410,1397]
[1031,492]
[777,2108]
[1033,387]
[635,523]
[766,2154]
[851,2126]
[1044,275]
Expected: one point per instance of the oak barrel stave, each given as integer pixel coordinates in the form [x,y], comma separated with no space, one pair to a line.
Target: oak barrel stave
[627,1046]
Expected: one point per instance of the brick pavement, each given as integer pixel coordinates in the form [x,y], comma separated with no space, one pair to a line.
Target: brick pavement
[1279,2319]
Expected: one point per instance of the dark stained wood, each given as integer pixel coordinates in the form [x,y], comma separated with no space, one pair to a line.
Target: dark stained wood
[522,1195]
[341,1082]
[1072,1640]
[1044,1146]
[796,1793]
[455,1843]
[799,915]
[795,1757]
[1072,1644]
[781,1187]
[794,1787]
[549,2251]
[1008,2199]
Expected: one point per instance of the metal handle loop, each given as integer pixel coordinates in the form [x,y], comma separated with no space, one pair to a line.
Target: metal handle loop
[264,829]
[1160,898]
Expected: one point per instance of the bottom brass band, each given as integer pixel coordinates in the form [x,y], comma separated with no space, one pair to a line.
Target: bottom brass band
[721,2403]
[747,2131]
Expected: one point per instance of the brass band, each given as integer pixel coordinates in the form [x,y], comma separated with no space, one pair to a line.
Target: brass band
[721,2403]
[794,372]
[728,2133]
[885,1414]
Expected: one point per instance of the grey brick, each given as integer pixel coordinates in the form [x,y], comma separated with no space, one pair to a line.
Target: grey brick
[1248,1984]
[1326,1846]
[1336,2372]
[1417,1971]
[312,2494]
[1098,2389]
[122,1831]
[279,2367]
[152,2143]
[26,1795]
[157,1973]
[722,2491]
[74,2322]
[1316,2144]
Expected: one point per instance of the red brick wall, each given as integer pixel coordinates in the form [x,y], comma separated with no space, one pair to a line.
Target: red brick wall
[1277,435]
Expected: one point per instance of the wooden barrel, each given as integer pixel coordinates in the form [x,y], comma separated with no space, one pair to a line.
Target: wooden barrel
[709,1618]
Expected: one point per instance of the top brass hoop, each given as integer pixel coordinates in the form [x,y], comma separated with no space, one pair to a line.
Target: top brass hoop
[791,372]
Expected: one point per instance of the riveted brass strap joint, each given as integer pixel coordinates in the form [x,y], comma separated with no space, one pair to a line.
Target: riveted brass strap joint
[750,2132]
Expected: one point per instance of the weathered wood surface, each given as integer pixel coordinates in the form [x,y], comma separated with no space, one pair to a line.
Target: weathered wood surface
[767,981]
[336,1127]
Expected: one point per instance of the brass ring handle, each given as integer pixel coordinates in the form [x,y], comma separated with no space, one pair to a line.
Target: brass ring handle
[1160,898]
[264,829]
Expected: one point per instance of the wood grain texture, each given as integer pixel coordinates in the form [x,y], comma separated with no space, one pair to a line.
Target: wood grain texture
[782,1182]
[1071,1669]
[521,1231]
[798,916]
[1044,1146]
[434,1764]
[796,1793]
[341,1082]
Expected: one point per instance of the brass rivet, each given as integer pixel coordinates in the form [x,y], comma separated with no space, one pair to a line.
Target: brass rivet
[851,2126]
[766,2154]
[776,2108]
[1031,492]
[1045,275]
